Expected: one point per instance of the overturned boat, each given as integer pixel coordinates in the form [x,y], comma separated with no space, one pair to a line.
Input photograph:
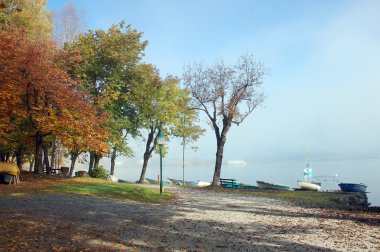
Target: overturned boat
[270,186]
[351,187]
[308,186]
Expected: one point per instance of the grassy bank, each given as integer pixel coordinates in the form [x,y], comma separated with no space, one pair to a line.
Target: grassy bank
[315,199]
[31,184]
[310,198]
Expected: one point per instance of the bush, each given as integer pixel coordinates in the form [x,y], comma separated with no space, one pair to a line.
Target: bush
[99,172]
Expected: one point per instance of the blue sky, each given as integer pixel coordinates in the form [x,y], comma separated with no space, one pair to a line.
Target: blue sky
[323,79]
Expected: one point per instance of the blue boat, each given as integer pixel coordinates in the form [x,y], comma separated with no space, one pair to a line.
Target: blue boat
[350,187]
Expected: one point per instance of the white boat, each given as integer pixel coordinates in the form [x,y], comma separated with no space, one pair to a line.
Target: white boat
[308,186]
[203,183]
[237,162]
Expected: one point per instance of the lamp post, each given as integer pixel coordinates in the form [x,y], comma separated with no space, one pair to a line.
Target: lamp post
[160,141]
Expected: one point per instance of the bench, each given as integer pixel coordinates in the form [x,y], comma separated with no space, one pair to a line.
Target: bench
[53,171]
[229,183]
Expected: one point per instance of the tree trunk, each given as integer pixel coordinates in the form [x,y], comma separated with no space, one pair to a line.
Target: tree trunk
[145,165]
[113,158]
[74,156]
[91,164]
[53,154]
[38,165]
[97,158]
[183,160]
[218,161]
[46,158]
[31,162]
[19,156]
[147,154]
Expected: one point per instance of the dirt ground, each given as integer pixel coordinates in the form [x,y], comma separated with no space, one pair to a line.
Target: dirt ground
[198,220]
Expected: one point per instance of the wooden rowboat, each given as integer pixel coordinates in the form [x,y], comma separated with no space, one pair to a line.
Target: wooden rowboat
[269,186]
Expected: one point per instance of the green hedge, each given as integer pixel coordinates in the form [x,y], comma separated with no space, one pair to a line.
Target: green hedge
[99,172]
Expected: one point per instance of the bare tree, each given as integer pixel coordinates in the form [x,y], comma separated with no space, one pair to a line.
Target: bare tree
[227,95]
[67,24]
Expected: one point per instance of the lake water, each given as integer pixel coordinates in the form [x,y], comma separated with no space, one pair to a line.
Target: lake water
[283,172]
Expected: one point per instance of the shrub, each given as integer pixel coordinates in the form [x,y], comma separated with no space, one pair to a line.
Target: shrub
[99,172]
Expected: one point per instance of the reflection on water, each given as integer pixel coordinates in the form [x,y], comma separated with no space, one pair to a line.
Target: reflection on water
[284,172]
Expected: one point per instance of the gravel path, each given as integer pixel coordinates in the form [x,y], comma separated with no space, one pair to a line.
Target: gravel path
[199,220]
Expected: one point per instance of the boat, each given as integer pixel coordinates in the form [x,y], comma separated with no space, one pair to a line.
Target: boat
[180,182]
[9,168]
[237,162]
[203,183]
[350,187]
[308,186]
[269,186]
[175,181]
[125,181]
[316,183]
[151,181]
[192,183]
[248,187]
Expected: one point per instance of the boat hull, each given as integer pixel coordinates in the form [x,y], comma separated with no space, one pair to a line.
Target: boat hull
[151,181]
[249,187]
[350,187]
[269,186]
[175,181]
[308,186]
[180,182]
[203,183]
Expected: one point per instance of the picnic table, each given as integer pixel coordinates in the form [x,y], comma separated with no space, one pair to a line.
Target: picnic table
[229,183]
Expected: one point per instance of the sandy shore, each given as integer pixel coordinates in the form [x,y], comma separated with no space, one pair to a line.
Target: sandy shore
[199,220]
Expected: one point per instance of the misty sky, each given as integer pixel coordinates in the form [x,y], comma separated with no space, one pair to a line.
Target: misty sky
[323,59]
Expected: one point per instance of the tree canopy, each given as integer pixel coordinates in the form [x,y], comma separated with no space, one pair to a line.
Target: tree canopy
[38,96]
[32,16]
[83,91]
[226,95]
[109,60]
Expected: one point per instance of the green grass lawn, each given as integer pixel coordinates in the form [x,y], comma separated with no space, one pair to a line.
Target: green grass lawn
[101,188]
[32,184]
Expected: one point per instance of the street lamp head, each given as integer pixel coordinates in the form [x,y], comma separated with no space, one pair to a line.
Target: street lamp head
[160,138]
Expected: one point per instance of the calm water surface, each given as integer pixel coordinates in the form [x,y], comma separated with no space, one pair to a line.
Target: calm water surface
[285,172]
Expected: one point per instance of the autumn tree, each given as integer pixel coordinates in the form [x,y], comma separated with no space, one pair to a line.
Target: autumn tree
[227,95]
[32,16]
[37,95]
[67,25]
[109,58]
[85,135]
